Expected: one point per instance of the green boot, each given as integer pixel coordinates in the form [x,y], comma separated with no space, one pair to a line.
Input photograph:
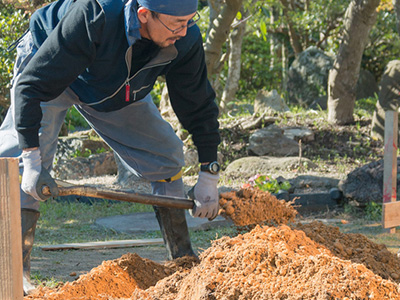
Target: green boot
[175,232]
[172,221]
[29,219]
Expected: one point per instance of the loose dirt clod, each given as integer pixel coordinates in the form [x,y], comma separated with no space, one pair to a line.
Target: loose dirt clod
[311,261]
[248,207]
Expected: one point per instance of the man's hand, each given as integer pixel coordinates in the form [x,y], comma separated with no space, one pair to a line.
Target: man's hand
[205,196]
[35,177]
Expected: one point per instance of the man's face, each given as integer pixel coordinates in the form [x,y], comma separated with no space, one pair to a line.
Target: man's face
[163,30]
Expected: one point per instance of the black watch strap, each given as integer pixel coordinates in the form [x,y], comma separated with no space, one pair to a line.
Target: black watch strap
[212,167]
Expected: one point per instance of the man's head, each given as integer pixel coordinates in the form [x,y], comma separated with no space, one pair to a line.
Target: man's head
[177,8]
[166,21]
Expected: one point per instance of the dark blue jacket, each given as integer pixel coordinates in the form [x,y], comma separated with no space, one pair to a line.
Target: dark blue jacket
[83,45]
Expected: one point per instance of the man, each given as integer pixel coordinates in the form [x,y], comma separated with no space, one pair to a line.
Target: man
[103,57]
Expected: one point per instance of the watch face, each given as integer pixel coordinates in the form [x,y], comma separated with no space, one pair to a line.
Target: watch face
[214,167]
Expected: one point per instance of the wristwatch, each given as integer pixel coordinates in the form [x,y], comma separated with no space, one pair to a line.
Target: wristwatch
[212,167]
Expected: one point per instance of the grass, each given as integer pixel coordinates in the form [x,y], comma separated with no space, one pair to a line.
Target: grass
[63,222]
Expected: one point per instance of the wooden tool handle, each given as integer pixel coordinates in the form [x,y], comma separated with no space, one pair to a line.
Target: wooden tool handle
[121,195]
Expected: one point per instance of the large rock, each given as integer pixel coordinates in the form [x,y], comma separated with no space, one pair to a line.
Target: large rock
[365,184]
[69,147]
[308,80]
[83,167]
[269,102]
[308,76]
[249,166]
[272,141]
[275,141]
[298,133]
[366,85]
[78,157]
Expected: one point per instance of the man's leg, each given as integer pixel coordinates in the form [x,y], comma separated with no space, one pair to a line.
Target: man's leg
[53,116]
[148,146]
[172,221]
[29,219]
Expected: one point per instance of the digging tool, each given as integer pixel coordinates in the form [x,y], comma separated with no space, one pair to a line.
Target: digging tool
[67,189]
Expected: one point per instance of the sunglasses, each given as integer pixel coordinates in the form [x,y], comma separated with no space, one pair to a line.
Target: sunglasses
[190,23]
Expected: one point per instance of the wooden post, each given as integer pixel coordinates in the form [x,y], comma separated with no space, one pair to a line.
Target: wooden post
[11,287]
[390,210]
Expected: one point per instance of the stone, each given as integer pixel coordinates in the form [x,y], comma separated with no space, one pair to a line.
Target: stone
[308,76]
[365,184]
[82,167]
[367,86]
[299,133]
[271,141]
[308,182]
[247,167]
[69,147]
[308,80]
[269,102]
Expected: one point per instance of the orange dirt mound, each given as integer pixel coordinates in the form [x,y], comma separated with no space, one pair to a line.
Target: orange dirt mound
[355,247]
[248,207]
[311,261]
[112,279]
[271,263]
[265,263]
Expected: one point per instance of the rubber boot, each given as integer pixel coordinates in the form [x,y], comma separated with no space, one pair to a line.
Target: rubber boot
[29,219]
[172,221]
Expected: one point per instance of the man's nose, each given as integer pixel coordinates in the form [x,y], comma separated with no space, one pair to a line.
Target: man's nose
[183,32]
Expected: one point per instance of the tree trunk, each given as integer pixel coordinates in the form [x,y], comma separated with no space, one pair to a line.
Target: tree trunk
[219,30]
[396,5]
[294,37]
[359,19]
[215,8]
[234,63]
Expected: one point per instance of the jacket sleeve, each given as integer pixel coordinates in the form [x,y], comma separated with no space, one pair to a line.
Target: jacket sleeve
[65,54]
[193,100]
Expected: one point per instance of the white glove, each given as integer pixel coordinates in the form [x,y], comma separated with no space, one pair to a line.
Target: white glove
[205,196]
[35,177]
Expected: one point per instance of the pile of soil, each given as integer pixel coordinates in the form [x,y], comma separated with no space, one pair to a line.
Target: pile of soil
[272,263]
[249,207]
[312,261]
[112,279]
[355,247]
[265,263]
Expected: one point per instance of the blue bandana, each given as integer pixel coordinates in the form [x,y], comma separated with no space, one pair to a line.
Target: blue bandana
[132,23]
[171,7]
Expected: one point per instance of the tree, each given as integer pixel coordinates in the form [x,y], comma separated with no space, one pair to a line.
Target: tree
[221,19]
[359,19]
[396,5]
[234,64]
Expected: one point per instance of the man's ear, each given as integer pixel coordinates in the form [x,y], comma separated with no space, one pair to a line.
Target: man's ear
[143,14]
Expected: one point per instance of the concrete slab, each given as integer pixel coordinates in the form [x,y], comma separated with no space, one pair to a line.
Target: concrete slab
[141,222]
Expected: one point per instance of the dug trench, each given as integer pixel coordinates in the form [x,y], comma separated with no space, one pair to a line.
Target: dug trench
[272,257]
